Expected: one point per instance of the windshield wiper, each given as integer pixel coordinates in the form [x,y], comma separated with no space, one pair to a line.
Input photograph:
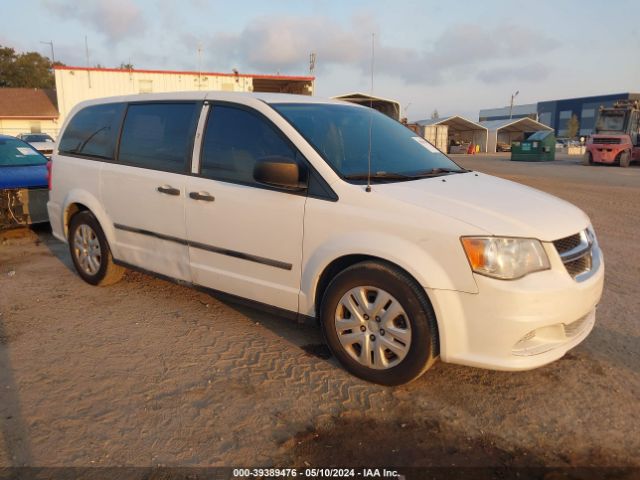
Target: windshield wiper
[435,172]
[379,176]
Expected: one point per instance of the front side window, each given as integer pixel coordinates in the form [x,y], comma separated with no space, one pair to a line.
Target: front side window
[347,136]
[93,131]
[15,153]
[159,135]
[235,139]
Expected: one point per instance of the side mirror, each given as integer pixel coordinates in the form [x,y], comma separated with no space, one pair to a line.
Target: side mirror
[281,172]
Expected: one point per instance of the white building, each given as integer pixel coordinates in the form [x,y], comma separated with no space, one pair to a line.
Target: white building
[76,84]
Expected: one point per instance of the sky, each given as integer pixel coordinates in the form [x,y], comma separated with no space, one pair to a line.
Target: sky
[456,57]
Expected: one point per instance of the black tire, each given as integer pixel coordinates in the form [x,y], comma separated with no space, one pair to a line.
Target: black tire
[107,272]
[423,349]
[625,159]
[587,159]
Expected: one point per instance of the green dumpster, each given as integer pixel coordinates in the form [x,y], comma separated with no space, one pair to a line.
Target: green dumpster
[539,147]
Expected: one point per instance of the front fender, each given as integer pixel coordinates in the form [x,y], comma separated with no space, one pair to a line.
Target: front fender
[434,263]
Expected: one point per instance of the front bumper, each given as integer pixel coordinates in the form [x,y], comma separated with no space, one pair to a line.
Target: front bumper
[520,324]
[606,153]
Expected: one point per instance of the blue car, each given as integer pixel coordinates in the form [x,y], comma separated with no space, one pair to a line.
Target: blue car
[24,183]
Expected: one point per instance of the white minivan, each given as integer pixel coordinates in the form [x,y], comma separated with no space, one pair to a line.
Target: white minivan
[321,209]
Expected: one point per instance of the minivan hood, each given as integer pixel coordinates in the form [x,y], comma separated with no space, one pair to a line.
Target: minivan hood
[494,205]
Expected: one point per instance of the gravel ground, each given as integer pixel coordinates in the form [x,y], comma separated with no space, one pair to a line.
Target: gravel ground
[149,373]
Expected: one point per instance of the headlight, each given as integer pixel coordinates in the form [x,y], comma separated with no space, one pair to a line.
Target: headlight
[505,258]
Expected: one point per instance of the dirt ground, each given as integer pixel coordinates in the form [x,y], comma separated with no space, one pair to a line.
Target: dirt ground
[150,373]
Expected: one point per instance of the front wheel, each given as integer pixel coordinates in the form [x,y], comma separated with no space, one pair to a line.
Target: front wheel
[379,323]
[625,159]
[90,251]
[587,159]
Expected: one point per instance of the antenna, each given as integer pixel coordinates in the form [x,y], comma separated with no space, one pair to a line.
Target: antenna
[53,56]
[199,66]
[86,51]
[368,189]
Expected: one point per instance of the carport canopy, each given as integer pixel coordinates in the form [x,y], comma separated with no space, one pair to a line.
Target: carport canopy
[391,108]
[508,130]
[459,126]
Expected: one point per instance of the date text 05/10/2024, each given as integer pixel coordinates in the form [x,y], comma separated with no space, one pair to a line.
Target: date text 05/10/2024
[316,472]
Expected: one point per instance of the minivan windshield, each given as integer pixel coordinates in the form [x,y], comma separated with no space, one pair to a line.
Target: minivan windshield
[16,153]
[345,134]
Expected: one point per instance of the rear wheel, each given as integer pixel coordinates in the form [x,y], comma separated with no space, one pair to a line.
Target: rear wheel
[587,159]
[625,159]
[379,323]
[90,251]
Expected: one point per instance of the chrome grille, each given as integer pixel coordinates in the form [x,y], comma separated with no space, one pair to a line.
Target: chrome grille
[578,266]
[575,252]
[565,244]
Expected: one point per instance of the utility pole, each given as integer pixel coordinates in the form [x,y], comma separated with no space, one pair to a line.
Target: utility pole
[312,62]
[513,95]
[53,56]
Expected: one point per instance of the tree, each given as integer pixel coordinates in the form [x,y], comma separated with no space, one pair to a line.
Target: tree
[27,70]
[126,66]
[435,115]
[573,127]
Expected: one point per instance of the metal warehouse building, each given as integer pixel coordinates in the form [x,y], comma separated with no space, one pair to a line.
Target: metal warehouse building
[76,84]
[529,110]
[557,113]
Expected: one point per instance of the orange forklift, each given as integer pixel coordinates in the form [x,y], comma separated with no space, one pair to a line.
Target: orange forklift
[617,135]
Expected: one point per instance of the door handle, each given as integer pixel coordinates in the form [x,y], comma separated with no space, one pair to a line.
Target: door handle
[169,190]
[202,196]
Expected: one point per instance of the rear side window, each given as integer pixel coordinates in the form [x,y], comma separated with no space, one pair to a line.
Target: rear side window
[159,135]
[234,140]
[93,131]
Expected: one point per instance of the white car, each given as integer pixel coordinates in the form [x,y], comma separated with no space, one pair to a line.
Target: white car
[40,141]
[321,209]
